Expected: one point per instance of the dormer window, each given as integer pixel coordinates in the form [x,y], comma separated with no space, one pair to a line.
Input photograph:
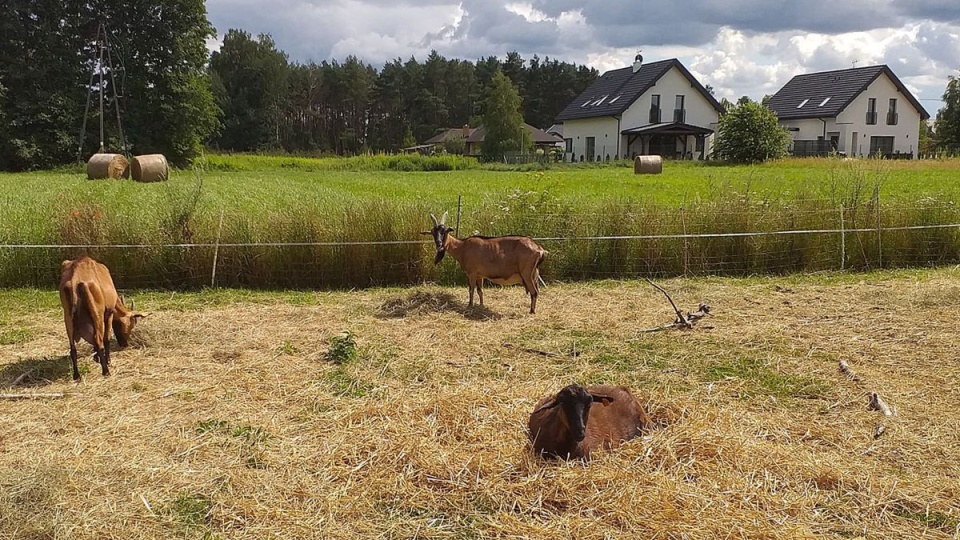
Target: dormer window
[824,102]
[802,103]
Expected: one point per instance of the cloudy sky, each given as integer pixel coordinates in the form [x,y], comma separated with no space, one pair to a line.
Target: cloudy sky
[740,47]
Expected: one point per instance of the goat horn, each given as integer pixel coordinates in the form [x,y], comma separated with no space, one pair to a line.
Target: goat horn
[434,218]
[443,219]
[548,405]
[133,304]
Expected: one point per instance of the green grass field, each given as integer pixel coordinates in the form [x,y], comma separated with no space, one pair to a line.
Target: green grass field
[371,199]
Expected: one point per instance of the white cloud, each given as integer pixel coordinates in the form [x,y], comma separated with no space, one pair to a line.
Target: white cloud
[742,47]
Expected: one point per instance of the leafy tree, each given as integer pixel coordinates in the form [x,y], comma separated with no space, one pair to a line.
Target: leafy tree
[41,69]
[948,118]
[408,139]
[926,142]
[455,145]
[503,120]
[250,84]
[168,105]
[749,133]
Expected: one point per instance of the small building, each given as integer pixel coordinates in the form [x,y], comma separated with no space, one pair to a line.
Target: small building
[473,138]
[658,108]
[863,111]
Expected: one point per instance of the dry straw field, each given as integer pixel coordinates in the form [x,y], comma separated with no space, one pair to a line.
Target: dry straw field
[252,415]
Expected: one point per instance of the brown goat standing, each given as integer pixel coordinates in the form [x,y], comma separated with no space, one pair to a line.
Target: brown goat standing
[91,308]
[566,425]
[505,260]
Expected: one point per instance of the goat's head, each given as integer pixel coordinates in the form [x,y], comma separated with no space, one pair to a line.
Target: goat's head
[574,402]
[124,321]
[439,233]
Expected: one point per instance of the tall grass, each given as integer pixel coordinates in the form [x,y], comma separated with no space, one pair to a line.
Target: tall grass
[580,232]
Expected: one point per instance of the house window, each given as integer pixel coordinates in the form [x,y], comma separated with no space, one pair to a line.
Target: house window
[892,113]
[881,145]
[568,145]
[871,111]
[655,109]
[591,148]
[679,114]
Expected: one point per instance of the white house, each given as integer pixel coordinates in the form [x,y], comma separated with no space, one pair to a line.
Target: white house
[647,109]
[856,112]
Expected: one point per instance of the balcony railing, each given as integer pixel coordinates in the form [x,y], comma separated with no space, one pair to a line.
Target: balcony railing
[871,118]
[654,115]
[892,118]
[679,115]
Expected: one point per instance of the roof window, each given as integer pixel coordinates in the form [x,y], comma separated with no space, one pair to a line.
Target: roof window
[824,102]
[802,103]
[616,98]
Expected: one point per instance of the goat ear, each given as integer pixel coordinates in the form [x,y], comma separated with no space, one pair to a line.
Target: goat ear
[602,398]
[427,233]
[141,315]
[548,405]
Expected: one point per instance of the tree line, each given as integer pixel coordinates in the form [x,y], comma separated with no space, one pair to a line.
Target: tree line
[351,107]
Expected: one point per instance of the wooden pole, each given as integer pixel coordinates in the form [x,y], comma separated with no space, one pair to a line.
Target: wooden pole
[459,212]
[843,242]
[216,253]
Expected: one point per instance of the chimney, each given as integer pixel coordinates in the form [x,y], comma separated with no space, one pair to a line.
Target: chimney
[637,62]
[466,130]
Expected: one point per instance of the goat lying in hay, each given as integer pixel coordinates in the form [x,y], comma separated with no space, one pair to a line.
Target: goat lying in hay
[567,425]
[505,260]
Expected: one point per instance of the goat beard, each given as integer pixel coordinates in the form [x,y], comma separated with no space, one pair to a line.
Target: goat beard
[439,257]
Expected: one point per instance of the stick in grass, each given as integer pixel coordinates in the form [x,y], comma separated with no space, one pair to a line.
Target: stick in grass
[681,320]
[877,404]
[52,395]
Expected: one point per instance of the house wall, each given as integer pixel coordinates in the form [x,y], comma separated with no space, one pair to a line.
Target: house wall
[854,118]
[606,130]
[853,121]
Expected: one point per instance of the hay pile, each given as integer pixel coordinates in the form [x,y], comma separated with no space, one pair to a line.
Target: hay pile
[648,165]
[216,424]
[150,168]
[112,166]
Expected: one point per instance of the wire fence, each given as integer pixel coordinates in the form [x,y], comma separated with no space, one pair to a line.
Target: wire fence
[615,241]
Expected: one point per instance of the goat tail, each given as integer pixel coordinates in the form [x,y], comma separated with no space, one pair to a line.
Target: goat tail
[78,294]
[543,255]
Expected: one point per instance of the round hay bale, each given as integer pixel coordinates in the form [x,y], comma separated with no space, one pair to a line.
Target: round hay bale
[150,168]
[107,166]
[648,165]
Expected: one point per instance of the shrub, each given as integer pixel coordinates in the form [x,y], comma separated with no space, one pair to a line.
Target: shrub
[749,133]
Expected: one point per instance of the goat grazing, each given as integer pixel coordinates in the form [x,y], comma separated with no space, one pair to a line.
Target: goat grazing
[91,308]
[566,425]
[505,260]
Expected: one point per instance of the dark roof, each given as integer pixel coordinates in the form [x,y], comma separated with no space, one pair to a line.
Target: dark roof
[838,88]
[616,90]
[673,128]
[538,135]
[448,134]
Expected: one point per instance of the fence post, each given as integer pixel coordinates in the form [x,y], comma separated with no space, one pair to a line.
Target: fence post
[843,242]
[459,211]
[216,253]
[686,249]
[876,199]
